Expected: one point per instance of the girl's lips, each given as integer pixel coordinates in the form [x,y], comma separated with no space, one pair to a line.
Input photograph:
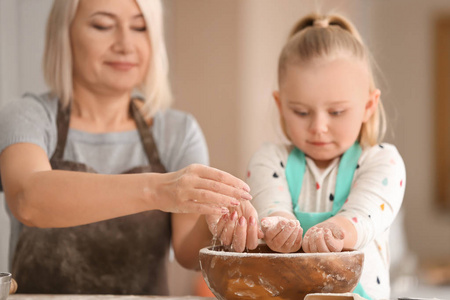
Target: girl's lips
[121,66]
[319,143]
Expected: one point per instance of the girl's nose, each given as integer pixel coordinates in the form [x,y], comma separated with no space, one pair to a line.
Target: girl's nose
[319,124]
[123,41]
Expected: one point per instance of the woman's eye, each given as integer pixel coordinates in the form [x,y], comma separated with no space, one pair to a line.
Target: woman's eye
[141,29]
[101,27]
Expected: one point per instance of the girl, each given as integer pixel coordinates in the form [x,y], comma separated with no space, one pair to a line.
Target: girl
[335,183]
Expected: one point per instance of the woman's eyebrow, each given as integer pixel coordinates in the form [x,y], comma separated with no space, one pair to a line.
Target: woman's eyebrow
[111,15]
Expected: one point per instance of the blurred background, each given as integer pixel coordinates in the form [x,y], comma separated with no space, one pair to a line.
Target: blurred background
[223,56]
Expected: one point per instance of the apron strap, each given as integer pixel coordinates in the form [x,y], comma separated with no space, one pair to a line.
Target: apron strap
[62,125]
[346,171]
[146,136]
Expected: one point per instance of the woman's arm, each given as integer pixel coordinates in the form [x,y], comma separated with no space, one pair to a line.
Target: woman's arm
[40,196]
[190,233]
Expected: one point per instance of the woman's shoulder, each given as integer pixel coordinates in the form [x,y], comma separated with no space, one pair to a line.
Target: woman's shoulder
[29,119]
[32,104]
[174,117]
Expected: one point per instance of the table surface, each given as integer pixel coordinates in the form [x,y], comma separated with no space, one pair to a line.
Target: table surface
[100,297]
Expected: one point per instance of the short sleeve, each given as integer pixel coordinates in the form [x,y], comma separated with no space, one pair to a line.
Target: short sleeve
[377,192]
[267,180]
[180,140]
[30,119]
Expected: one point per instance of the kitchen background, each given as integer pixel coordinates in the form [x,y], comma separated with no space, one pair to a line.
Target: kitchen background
[223,58]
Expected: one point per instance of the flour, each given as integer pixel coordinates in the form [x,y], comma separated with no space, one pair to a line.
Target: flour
[269,223]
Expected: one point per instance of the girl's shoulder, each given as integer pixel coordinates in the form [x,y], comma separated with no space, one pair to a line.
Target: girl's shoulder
[271,152]
[382,155]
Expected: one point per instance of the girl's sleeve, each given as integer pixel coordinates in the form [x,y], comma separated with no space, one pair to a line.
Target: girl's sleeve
[376,194]
[267,180]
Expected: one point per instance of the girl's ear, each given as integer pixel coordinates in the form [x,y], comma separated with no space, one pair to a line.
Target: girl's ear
[371,105]
[276,97]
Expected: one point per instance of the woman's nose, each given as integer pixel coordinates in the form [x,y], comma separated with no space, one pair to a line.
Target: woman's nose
[319,124]
[123,41]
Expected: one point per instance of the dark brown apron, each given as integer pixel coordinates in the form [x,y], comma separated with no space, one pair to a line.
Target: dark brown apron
[125,255]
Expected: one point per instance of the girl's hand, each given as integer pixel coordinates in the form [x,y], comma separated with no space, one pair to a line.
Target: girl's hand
[324,237]
[282,234]
[202,190]
[237,228]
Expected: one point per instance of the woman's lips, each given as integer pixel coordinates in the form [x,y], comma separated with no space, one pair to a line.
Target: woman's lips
[121,66]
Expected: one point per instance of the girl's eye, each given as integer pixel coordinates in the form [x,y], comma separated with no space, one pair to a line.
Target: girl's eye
[301,113]
[336,112]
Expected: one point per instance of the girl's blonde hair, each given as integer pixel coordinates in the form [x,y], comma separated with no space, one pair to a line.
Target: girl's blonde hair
[57,63]
[319,36]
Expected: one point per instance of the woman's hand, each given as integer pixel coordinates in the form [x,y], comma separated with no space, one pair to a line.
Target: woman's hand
[238,228]
[202,190]
[282,234]
[324,237]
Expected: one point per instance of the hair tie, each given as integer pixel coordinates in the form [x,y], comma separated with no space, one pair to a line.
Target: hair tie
[321,23]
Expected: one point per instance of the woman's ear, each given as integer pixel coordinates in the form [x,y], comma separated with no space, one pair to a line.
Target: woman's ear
[371,105]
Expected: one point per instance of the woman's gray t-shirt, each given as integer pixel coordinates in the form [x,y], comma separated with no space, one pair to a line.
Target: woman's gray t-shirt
[32,119]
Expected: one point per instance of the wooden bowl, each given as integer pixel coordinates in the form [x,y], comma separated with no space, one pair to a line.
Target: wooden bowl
[262,273]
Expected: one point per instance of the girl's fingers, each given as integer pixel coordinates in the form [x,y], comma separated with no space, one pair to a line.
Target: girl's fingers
[288,246]
[298,240]
[320,242]
[332,244]
[305,243]
[285,233]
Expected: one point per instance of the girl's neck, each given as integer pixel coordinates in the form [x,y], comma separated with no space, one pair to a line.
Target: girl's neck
[99,113]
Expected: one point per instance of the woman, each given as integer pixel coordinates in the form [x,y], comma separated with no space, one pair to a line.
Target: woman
[84,167]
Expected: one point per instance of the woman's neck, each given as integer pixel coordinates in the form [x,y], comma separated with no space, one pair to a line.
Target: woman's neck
[99,113]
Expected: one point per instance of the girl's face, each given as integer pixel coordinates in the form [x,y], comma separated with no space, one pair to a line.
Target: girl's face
[110,45]
[323,105]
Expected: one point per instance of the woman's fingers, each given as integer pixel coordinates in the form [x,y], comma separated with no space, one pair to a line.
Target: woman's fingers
[202,184]
[219,176]
[253,233]
[240,235]
[228,231]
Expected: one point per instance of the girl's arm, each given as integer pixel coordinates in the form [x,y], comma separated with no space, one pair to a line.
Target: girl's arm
[42,197]
[372,205]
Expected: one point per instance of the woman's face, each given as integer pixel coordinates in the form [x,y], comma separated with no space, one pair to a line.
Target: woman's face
[324,104]
[110,46]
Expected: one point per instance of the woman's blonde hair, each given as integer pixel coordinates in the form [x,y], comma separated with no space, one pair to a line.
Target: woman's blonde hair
[57,63]
[319,36]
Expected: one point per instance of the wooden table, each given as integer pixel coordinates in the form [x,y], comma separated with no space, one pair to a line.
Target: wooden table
[99,297]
